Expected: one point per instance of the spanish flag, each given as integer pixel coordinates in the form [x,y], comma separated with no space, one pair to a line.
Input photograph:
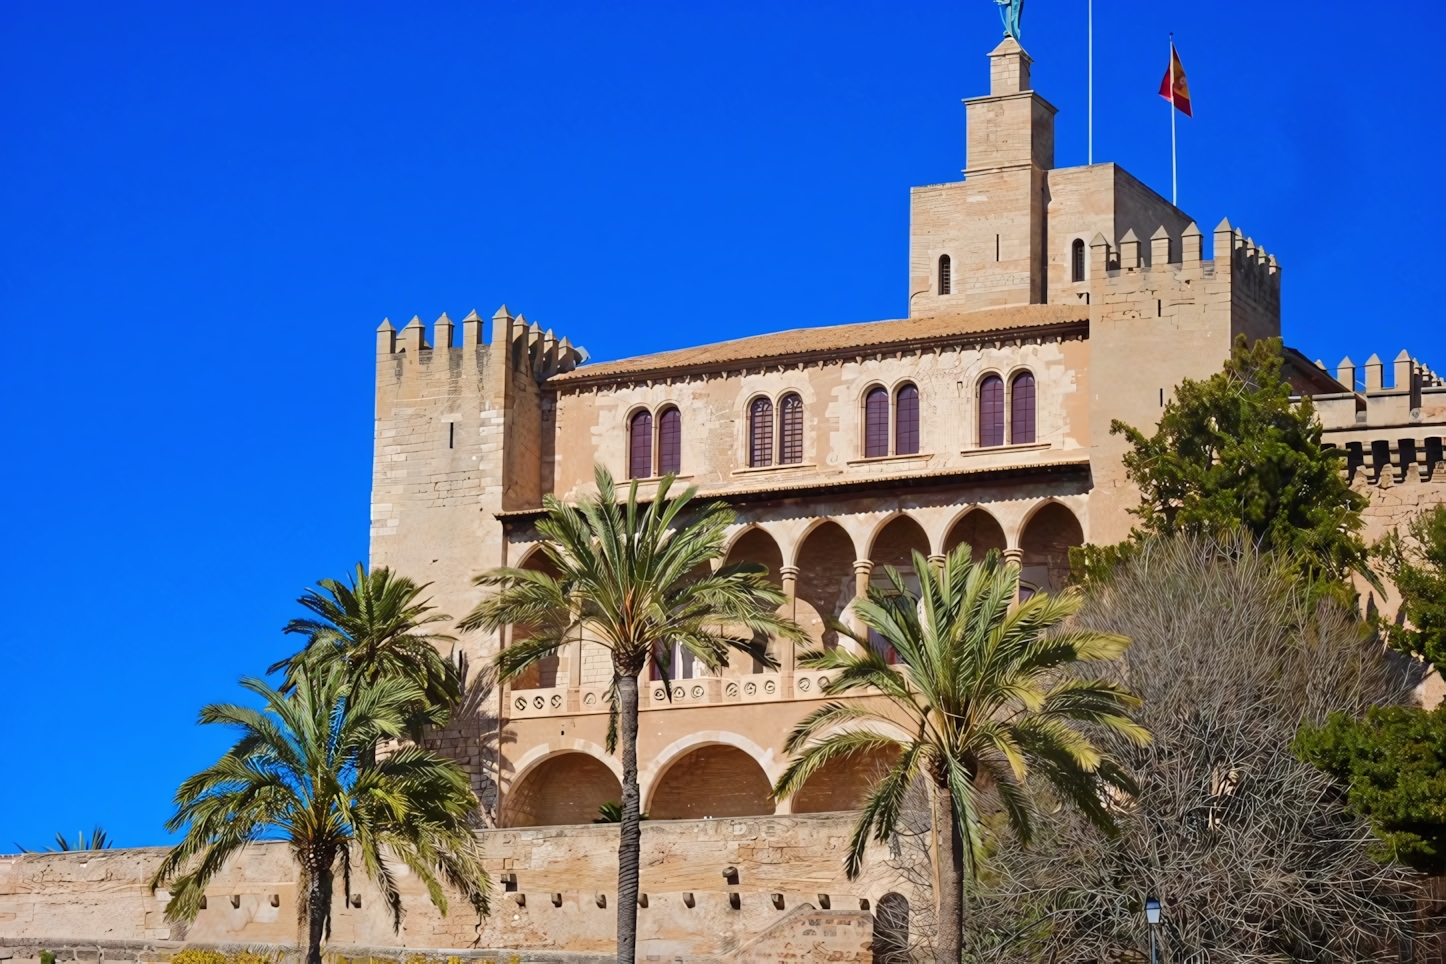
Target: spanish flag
[1181,93]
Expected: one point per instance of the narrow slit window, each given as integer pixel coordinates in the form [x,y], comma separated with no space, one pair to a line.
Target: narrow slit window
[670,442]
[876,423]
[906,421]
[1021,409]
[640,445]
[451,434]
[946,280]
[790,430]
[760,433]
[1076,260]
[991,411]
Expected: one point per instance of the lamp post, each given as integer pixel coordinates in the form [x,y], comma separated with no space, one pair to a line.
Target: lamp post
[1152,915]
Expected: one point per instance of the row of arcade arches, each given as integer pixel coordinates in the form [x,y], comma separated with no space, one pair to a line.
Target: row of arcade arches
[710,779]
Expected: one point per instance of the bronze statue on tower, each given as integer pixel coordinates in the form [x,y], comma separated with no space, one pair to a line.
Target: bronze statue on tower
[1010,11]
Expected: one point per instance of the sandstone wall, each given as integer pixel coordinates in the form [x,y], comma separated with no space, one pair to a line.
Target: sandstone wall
[564,897]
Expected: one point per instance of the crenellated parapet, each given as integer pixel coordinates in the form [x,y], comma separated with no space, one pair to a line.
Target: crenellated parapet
[1415,397]
[529,347]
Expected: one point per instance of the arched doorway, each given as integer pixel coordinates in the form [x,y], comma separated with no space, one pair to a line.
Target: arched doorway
[714,781]
[843,784]
[825,580]
[891,930]
[565,789]
[1045,544]
[980,530]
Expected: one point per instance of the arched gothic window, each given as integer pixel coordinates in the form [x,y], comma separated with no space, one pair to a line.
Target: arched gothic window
[946,281]
[640,445]
[991,411]
[906,421]
[1076,260]
[760,433]
[670,442]
[1021,409]
[876,423]
[790,430]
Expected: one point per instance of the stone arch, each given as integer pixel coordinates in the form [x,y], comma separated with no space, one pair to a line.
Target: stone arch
[843,784]
[714,775]
[825,584]
[1048,533]
[561,785]
[895,538]
[756,544]
[978,527]
[550,671]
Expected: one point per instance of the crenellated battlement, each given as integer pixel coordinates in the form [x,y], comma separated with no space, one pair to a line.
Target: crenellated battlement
[1246,262]
[526,344]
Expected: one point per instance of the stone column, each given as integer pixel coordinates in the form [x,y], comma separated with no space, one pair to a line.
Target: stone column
[863,568]
[574,662]
[937,560]
[1015,556]
[787,658]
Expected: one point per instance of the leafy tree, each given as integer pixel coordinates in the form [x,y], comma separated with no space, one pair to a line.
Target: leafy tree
[1252,851]
[99,840]
[302,771]
[1234,452]
[1394,764]
[1417,566]
[984,694]
[635,579]
[376,626]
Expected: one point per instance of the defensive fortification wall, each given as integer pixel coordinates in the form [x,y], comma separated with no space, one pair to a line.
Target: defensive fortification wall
[711,889]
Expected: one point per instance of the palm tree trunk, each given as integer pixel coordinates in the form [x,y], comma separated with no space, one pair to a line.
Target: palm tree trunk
[947,943]
[630,835]
[318,904]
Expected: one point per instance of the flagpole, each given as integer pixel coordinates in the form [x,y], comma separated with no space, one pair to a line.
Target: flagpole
[1092,81]
[1174,177]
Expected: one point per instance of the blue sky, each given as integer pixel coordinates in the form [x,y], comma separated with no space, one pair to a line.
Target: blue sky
[208,208]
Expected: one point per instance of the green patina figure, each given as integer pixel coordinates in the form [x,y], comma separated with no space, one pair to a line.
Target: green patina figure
[1010,11]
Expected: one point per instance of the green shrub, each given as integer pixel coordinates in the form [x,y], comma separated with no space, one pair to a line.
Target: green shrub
[47,957]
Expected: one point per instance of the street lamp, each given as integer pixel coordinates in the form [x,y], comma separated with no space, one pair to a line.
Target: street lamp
[1152,915]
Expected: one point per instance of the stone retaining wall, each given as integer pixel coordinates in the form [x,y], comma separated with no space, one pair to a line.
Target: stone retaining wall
[554,890]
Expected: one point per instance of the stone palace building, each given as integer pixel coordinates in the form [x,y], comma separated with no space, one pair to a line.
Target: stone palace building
[1043,302]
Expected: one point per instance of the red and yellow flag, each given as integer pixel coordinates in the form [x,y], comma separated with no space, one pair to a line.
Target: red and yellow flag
[1181,94]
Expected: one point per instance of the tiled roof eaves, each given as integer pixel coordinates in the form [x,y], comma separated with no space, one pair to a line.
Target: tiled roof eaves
[762,493]
[675,363]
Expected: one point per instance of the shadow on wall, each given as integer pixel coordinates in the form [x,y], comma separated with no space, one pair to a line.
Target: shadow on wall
[471,737]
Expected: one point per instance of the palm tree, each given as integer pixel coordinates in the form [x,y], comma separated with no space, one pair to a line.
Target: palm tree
[987,694]
[99,840]
[376,625]
[302,772]
[636,579]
